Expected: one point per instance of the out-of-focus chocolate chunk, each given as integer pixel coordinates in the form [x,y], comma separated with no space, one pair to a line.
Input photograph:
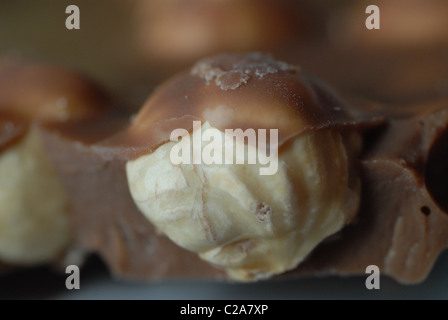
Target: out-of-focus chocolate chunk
[175,33]
[4,268]
[235,91]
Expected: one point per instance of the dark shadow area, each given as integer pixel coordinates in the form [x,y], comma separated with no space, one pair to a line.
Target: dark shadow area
[96,283]
[436,172]
[46,282]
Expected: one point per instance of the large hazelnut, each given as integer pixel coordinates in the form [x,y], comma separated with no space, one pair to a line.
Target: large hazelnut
[249,224]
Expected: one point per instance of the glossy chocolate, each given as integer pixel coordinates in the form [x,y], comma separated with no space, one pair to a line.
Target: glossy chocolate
[56,98]
[47,94]
[234,92]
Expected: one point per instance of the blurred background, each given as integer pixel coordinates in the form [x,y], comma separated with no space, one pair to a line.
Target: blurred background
[131,46]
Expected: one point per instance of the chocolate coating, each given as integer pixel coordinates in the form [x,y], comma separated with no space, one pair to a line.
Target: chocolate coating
[235,91]
[179,32]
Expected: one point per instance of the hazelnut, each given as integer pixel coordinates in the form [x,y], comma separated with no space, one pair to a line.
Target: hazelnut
[251,225]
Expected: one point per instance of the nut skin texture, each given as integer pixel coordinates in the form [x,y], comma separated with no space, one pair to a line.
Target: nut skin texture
[251,226]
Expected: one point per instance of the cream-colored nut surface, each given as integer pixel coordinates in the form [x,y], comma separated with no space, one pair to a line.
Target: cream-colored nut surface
[33,221]
[251,225]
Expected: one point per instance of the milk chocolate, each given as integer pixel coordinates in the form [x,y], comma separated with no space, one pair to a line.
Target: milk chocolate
[403,24]
[399,226]
[402,223]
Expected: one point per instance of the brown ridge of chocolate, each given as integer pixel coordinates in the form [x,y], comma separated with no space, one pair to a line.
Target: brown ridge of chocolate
[232,91]
[5,269]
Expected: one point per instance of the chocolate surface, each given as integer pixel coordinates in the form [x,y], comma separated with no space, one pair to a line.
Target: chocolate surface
[177,33]
[251,91]
[12,130]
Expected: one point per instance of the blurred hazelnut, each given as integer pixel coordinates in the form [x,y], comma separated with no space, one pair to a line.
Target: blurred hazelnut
[33,204]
